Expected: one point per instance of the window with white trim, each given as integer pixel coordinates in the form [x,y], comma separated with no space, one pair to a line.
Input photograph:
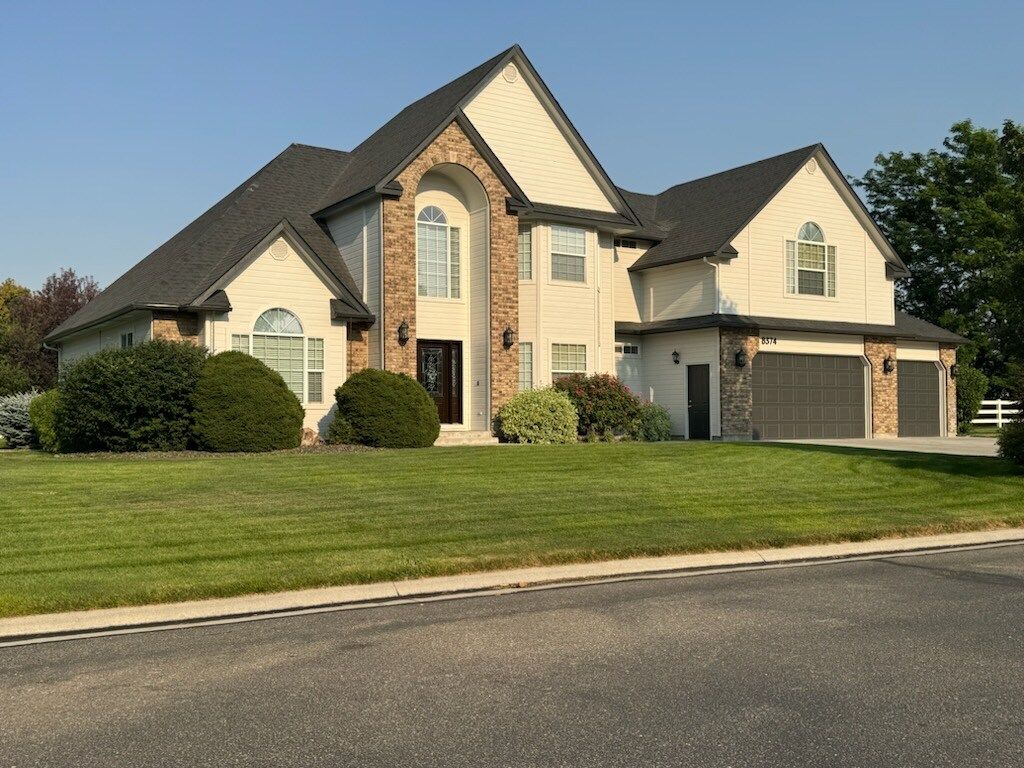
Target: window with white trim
[626,349]
[525,365]
[525,244]
[568,254]
[278,342]
[567,359]
[810,263]
[314,370]
[127,339]
[438,255]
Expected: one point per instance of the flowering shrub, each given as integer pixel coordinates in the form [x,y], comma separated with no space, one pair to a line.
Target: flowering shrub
[606,407]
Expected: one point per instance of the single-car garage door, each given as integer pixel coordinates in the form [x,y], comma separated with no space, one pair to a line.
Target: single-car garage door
[919,398]
[807,396]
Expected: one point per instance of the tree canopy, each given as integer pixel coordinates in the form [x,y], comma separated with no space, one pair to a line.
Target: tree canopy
[956,217]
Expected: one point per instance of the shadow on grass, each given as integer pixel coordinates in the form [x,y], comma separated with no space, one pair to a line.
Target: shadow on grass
[960,466]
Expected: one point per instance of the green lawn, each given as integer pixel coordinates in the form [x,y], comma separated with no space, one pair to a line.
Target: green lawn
[82,532]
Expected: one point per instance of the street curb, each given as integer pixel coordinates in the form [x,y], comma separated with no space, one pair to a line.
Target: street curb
[24,630]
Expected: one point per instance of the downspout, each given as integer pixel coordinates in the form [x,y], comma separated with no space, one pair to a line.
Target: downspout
[714,266]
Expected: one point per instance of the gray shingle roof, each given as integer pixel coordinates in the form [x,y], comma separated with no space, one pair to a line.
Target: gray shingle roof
[906,327]
[288,188]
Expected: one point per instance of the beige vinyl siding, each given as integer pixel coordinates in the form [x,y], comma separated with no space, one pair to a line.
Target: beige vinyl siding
[665,382]
[290,284]
[754,282]
[800,343]
[139,324]
[629,368]
[357,234]
[519,129]
[679,290]
[628,287]
[558,312]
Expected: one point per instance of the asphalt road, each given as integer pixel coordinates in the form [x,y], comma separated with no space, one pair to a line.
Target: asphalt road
[905,662]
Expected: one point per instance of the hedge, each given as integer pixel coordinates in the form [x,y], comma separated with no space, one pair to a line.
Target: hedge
[132,399]
[242,405]
[388,410]
[543,416]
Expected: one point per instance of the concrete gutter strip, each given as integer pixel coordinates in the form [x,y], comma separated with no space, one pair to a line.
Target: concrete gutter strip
[54,626]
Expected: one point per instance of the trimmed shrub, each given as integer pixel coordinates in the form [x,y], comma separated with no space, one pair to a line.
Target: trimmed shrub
[13,380]
[340,432]
[133,399]
[1011,442]
[388,410]
[15,424]
[605,405]
[242,405]
[971,386]
[543,416]
[43,414]
[653,424]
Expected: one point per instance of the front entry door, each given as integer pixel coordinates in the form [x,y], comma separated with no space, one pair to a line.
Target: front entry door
[698,401]
[439,370]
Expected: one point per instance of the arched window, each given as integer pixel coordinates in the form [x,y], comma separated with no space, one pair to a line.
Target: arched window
[437,255]
[810,263]
[277,340]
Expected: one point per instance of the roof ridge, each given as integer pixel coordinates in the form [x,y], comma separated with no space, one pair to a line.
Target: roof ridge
[319,148]
[799,150]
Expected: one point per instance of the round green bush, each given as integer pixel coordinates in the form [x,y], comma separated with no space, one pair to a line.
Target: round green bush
[971,386]
[653,423]
[242,405]
[42,412]
[340,432]
[1011,442]
[133,399]
[13,380]
[606,407]
[544,416]
[388,410]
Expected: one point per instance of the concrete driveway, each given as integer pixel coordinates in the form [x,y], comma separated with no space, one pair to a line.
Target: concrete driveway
[954,446]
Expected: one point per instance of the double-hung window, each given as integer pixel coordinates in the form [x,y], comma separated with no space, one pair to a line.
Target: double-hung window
[567,359]
[525,244]
[525,365]
[438,255]
[568,254]
[810,263]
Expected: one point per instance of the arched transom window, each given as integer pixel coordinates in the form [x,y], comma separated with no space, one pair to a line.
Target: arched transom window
[437,255]
[810,263]
[278,341]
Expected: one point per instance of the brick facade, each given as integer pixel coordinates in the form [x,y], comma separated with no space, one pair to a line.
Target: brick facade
[358,349]
[736,384]
[884,393]
[947,356]
[399,237]
[176,326]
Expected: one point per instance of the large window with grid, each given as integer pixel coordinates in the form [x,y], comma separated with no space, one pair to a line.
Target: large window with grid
[278,342]
[525,365]
[438,255]
[525,251]
[810,263]
[568,254]
[567,359]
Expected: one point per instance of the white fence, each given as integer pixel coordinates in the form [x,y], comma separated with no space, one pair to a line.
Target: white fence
[997,412]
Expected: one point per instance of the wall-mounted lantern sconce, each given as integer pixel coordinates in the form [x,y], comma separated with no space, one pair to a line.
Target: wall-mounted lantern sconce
[954,370]
[508,338]
[403,333]
[675,358]
[888,365]
[741,359]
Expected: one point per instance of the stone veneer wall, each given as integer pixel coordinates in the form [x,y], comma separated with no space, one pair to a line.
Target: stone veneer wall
[399,236]
[736,384]
[358,349]
[176,326]
[947,355]
[884,392]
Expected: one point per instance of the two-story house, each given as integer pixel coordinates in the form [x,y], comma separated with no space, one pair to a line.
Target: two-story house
[475,243]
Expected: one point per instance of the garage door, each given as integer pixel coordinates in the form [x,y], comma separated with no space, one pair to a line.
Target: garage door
[807,396]
[918,386]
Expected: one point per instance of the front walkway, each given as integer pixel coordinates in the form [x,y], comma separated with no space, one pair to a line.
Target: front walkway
[953,446]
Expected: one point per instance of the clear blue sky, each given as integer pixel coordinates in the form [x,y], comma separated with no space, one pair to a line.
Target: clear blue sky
[119,124]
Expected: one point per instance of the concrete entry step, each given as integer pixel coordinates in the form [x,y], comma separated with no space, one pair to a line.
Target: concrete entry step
[447,439]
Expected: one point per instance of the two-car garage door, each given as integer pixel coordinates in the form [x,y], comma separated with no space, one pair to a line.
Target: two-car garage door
[808,396]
